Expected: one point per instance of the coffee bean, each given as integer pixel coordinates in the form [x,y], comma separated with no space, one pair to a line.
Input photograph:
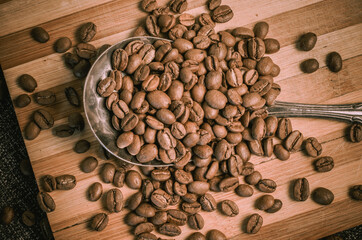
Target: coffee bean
[229,208]
[160,198]
[144,228]
[71,59]
[28,218]
[198,187]
[266,185]
[178,6]
[334,62]
[48,183]
[208,202]
[99,222]
[322,196]
[191,208]
[356,192]
[261,29]
[215,234]
[307,41]
[169,229]
[31,131]
[7,215]
[114,200]
[244,190]
[268,146]
[46,202]
[66,182]
[293,141]
[63,131]
[45,97]
[72,96]
[133,179]
[324,164]
[265,202]
[284,128]
[301,189]
[76,121]
[196,221]
[228,184]
[147,236]
[149,5]
[186,19]
[81,69]
[280,152]
[95,191]
[276,206]
[40,34]
[87,31]
[145,210]
[133,219]
[82,146]
[22,100]
[355,133]
[176,217]
[119,177]
[222,14]
[62,45]
[196,236]
[309,65]
[86,50]
[159,218]
[25,167]
[108,172]
[253,178]
[43,119]
[254,224]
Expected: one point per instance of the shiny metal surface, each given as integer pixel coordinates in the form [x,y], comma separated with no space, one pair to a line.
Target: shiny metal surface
[98,116]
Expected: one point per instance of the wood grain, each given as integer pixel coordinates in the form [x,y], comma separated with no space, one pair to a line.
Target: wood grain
[338,25]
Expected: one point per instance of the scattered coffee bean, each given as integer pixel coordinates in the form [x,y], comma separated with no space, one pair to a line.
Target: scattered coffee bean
[22,100]
[215,234]
[48,183]
[143,228]
[135,200]
[355,133]
[114,200]
[63,131]
[281,153]
[276,206]
[76,121]
[228,184]
[7,215]
[99,222]
[133,219]
[334,62]
[25,167]
[301,189]
[43,119]
[40,34]
[266,185]
[28,218]
[46,202]
[147,236]
[31,131]
[71,59]
[265,202]
[324,164]
[87,31]
[293,141]
[271,45]
[66,182]
[89,164]
[82,146]
[309,65]
[322,196]
[196,221]
[284,128]
[62,45]
[95,191]
[254,224]
[356,192]
[176,217]
[229,208]
[214,4]
[27,83]
[45,97]
[222,14]
[253,178]
[191,208]
[169,229]
[312,147]
[81,69]
[196,236]
[307,41]
[72,96]
[244,190]
[208,202]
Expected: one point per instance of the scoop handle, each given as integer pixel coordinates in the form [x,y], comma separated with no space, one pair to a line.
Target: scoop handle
[342,112]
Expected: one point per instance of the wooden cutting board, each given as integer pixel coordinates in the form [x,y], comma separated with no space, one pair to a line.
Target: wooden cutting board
[338,25]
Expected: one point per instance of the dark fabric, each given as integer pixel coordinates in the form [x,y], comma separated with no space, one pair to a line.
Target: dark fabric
[19,191]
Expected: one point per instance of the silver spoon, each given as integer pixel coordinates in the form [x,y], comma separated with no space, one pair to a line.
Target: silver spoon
[99,118]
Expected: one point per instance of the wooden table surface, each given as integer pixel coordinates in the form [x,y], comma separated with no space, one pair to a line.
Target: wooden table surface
[338,25]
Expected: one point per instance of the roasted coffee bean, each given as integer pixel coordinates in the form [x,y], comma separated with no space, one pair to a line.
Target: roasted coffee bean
[271,45]
[62,45]
[82,68]
[160,174]
[76,121]
[147,236]
[166,22]
[268,146]
[176,217]
[178,6]
[301,189]
[214,183]
[244,190]
[309,65]
[215,234]
[114,200]
[95,191]
[261,29]
[151,25]
[72,96]
[276,206]
[243,151]
[293,141]
[133,179]
[228,184]
[254,224]
[256,147]
[265,202]
[169,229]
[158,99]
[28,218]
[266,185]
[125,139]
[63,131]
[355,132]
[191,208]
[45,97]
[147,189]
[66,182]
[284,128]
[229,208]
[48,183]
[87,31]
[307,41]
[212,4]
[147,153]
[324,164]
[189,197]
[134,201]
[281,153]
[145,210]
[71,59]
[7,215]
[27,83]
[322,196]
[196,221]
[22,100]
[253,178]
[119,177]
[143,228]
[334,62]
[99,222]
[31,131]
[198,187]
[222,14]
[183,177]
[160,198]
[45,202]
[107,172]
[133,219]
[25,167]
[149,5]
[43,119]
[119,59]
[312,147]
[186,19]
[159,218]
[129,122]
[86,50]
[82,146]
[40,34]
[356,192]
[208,203]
